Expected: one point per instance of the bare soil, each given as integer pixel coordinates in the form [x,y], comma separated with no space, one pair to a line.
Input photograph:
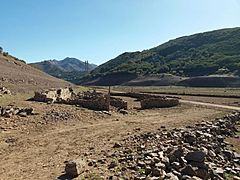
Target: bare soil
[20,77]
[35,147]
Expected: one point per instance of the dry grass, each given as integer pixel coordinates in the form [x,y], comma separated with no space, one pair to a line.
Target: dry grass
[181,90]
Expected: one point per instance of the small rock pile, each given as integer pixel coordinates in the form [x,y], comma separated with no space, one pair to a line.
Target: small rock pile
[10,111]
[197,152]
[4,90]
[57,116]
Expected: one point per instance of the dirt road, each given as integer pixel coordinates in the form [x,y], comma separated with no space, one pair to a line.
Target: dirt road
[211,105]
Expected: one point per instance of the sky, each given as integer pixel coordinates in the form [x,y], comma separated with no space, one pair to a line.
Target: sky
[99,30]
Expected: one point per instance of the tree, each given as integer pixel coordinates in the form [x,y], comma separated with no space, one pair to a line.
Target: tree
[1,50]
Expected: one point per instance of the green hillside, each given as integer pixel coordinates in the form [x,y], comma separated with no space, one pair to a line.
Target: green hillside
[215,52]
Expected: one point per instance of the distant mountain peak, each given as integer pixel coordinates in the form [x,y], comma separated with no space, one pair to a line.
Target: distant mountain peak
[69,66]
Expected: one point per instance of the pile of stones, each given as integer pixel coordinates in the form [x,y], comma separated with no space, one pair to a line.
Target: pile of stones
[197,152]
[10,111]
[57,116]
[4,90]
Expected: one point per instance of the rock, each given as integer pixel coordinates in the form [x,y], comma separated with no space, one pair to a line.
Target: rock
[160,165]
[197,156]
[195,178]
[188,170]
[189,138]
[175,154]
[236,178]
[141,163]
[148,170]
[176,165]
[236,155]
[117,145]
[219,171]
[122,111]
[22,114]
[229,154]
[72,169]
[211,153]
[112,165]
[113,178]
[171,176]
[202,173]
[156,172]
[155,160]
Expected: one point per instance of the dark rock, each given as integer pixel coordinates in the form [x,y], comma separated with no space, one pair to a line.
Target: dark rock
[117,145]
[112,165]
[188,170]
[197,156]
[229,154]
[72,169]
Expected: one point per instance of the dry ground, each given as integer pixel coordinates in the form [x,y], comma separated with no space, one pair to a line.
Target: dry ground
[35,147]
[20,77]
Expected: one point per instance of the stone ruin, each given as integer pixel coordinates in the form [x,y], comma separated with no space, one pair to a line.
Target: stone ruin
[100,101]
[160,102]
[54,95]
[4,90]
[91,100]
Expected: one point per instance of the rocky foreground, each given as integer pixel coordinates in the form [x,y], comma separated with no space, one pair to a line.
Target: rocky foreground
[198,152]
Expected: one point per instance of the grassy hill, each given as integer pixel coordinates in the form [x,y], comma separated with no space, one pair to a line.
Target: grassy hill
[203,54]
[69,69]
[16,75]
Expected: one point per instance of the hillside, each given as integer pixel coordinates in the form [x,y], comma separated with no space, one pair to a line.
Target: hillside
[20,77]
[210,53]
[70,69]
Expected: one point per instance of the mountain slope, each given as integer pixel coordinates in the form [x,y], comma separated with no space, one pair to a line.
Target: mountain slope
[20,77]
[203,54]
[70,69]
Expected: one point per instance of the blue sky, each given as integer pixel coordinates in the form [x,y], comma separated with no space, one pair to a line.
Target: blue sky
[99,30]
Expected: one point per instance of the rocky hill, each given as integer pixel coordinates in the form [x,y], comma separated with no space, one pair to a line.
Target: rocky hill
[17,76]
[70,69]
[203,54]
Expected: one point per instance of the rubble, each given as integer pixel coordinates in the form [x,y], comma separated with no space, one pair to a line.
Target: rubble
[197,152]
[54,115]
[10,111]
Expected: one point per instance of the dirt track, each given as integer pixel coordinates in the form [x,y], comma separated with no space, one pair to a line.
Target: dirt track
[34,148]
[211,105]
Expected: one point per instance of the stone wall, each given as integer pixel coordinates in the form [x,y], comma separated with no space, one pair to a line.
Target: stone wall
[98,104]
[139,96]
[158,103]
[118,103]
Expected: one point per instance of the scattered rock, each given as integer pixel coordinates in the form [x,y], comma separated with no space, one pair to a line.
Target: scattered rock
[72,169]
[10,111]
[196,156]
